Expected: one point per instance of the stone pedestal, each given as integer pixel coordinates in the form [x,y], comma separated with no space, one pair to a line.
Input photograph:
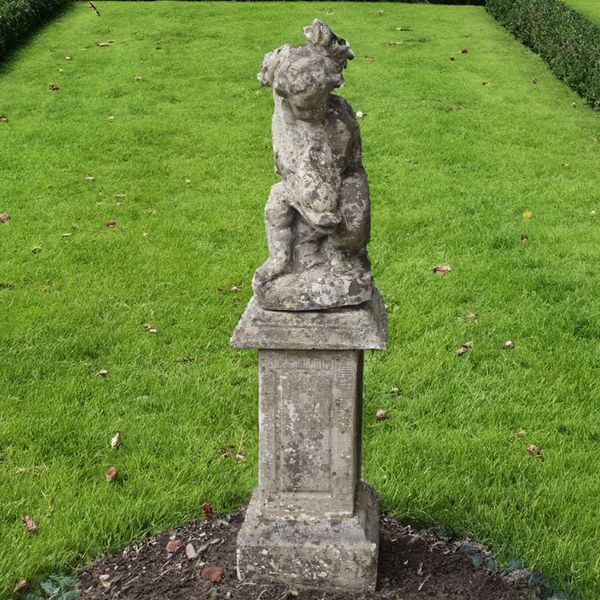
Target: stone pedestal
[311,521]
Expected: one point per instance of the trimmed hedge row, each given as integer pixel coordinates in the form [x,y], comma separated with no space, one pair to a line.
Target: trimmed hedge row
[19,17]
[564,38]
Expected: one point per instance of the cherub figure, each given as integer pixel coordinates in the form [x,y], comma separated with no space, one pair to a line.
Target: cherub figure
[318,217]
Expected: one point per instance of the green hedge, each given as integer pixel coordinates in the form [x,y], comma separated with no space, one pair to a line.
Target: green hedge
[567,40]
[19,17]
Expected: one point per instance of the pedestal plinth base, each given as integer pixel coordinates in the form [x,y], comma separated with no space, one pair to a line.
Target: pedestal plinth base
[328,551]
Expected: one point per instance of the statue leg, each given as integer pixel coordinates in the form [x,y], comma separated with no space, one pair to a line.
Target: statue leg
[279,217]
[307,245]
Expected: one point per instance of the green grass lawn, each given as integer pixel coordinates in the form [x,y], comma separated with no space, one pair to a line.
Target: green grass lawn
[589,8]
[456,152]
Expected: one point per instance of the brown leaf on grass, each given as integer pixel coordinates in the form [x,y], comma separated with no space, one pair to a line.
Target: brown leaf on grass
[464,51]
[527,215]
[110,224]
[115,442]
[111,473]
[236,287]
[396,391]
[519,433]
[21,585]
[509,345]
[239,457]
[227,452]
[150,328]
[4,217]
[464,348]
[36,250]
[3,118]
[442,269]
[104,44]
[138,78]
[209,515]
[53,87]
[381,414]
[102,373]
[173,545]
[89,178]
[213,574]
[111,119]
[535,451]
[472,317]
[29,523]
[369,58]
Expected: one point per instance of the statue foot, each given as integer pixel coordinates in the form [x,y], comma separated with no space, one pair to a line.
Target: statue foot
[271,269]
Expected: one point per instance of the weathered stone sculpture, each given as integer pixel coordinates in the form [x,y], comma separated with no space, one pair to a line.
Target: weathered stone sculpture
[318,216]
[311,520]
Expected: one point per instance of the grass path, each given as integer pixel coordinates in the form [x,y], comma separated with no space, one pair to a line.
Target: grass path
[589,8]
[457,152]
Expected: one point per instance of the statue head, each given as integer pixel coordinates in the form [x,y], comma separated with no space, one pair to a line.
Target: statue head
[305,76]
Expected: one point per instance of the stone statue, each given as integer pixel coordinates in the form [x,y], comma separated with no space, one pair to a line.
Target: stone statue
[318,216]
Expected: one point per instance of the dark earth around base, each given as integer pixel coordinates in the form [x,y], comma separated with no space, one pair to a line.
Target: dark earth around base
[413,564]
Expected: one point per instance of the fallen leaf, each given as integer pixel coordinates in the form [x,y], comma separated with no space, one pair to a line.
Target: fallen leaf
[226,452]
[593,212]
[209,515]
[519,433]
[21,585]
[472,317]
[369,58]
[28,523]
[89,177]
[4,217]
[36,250]
[173,545]
[213,574]
[61,70]
[360,114]
[380,12]
[236,288]
[68,58]
[524,240]
[535,82]
[111,473]
[464,51]
[190,552]
[527,215]
[111,119]
[102,373]
[138,78]
[396,391]
[535,451]
[239,457]
[509,345]
[464,348]
[3,118]
[110,224]
[188,181]
[103,44]
[381,414]
[53,87]
[442,269]
[115,441]
[150,328]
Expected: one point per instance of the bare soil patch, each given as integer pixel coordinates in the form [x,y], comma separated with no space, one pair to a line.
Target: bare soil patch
[412,565]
